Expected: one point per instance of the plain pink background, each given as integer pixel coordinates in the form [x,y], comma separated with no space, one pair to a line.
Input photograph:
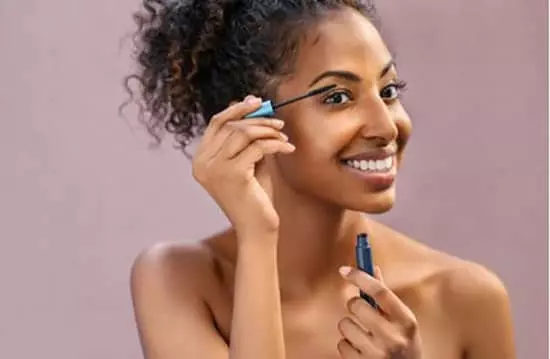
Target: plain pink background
[82,193]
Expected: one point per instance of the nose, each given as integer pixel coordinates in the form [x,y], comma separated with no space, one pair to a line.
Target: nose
[378,122]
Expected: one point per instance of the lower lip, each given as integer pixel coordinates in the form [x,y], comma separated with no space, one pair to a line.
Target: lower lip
[378,181]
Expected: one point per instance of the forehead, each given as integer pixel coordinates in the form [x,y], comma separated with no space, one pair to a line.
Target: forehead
[344,40]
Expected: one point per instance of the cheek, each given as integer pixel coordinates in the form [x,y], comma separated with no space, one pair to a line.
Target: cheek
[319,139]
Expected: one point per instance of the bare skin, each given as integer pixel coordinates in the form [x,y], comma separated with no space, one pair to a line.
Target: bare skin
[270,286]
[439,289]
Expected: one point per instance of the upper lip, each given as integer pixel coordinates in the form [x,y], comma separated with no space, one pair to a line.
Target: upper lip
[373,155]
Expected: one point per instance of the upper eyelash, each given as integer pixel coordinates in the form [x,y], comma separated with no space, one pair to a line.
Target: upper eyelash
[337,91]
[399,84]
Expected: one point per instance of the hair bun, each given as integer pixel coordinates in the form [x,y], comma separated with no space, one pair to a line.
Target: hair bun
[196,56]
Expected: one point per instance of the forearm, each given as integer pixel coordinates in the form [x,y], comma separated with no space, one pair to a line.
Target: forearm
[257,328]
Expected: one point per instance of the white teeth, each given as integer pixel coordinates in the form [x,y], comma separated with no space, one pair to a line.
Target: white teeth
[371,165]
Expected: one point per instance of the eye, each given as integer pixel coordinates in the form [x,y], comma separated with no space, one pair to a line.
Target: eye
[393,91]
[337,98]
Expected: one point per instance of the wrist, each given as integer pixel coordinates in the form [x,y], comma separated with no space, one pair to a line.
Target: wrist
[251,237]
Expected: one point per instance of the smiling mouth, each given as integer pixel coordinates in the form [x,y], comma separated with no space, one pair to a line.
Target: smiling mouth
[384,165]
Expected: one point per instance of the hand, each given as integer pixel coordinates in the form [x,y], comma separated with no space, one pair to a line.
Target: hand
[225,164]
[390,331]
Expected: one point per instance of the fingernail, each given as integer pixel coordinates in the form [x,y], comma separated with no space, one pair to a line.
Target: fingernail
[252,100]
[285,137]
[344,271]
[279,123]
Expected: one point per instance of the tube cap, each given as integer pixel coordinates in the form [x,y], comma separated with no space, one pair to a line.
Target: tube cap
[363,240]
[265,111]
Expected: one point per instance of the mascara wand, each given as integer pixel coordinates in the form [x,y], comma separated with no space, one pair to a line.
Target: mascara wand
[365,263]
[268,108]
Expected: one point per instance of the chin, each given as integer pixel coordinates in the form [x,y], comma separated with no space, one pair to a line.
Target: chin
[373,203]
[377,208]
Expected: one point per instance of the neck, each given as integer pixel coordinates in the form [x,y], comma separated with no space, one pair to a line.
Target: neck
[315,238]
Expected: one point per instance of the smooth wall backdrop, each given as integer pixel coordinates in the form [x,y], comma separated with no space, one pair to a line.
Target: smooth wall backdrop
[82,194]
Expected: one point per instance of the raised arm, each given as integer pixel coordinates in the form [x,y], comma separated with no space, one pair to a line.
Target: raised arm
[173,319]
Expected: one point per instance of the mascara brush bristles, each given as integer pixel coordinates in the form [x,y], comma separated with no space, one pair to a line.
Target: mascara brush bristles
[302,97]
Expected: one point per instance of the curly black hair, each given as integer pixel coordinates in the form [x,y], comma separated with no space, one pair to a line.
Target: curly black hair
[196,56]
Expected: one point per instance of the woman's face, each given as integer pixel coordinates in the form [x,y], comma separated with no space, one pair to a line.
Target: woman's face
[349,141]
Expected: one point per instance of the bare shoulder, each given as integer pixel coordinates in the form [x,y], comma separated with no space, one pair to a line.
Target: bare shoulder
[171,288]
[473,298]
[468,283]
[480,307]
[457,279]
[181,267]
[413,263]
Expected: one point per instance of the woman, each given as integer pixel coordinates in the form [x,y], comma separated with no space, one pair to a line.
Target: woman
[281,283]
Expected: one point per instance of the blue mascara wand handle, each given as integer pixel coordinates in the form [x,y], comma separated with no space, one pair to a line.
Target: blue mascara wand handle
[266,110]
[364,262]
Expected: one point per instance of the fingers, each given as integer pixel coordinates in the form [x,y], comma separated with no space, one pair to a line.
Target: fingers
[359,338]
[236,111]
[347,351]
[228,133]
[389,303]
[243,133]
[260,148]
[387,333]
[373,287]
[229,136]
[367,343]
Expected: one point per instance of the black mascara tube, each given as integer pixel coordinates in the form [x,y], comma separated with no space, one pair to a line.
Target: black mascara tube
[363,258]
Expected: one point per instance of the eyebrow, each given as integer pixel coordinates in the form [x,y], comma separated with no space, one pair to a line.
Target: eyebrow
[350,76]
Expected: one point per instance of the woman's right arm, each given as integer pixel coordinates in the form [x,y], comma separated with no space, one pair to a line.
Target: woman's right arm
[257,328]
[174,322]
